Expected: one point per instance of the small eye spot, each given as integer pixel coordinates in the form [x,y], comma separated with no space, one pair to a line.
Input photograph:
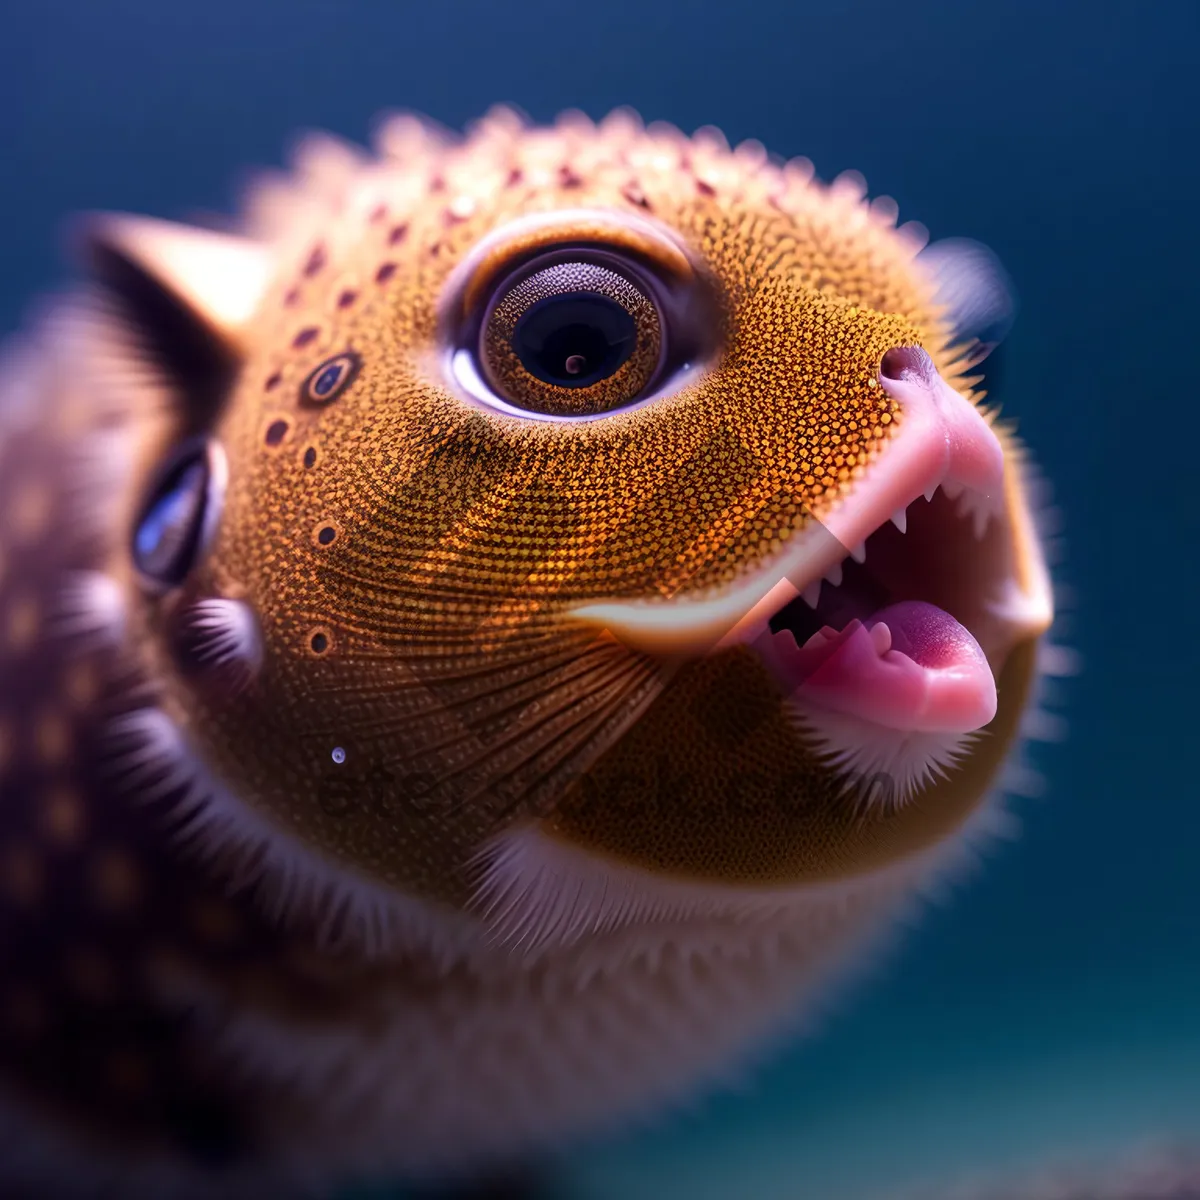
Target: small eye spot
[273,381]
[347,298]
[310,457]
[331,378]
[325,535]
[276,432]
[338,755]
[385,272]
[316,260]
[319,641]
[397,235]
[305,337]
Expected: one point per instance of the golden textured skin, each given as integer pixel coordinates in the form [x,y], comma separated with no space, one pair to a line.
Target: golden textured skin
[462,536]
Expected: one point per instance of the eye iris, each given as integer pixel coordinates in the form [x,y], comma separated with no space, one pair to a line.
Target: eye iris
[575,338]
[167,538]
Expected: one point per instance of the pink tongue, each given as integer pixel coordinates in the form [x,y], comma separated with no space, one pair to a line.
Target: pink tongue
[911,666]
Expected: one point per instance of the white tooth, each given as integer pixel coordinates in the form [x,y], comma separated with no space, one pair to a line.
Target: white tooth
[812,594]
[859,553]
[834,575]
[933,487]
[881,638]
[900,519]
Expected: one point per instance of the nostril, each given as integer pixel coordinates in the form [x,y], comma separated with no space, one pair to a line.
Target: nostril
[906,362]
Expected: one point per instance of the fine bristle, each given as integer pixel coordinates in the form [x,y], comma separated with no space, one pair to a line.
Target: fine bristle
[881,767]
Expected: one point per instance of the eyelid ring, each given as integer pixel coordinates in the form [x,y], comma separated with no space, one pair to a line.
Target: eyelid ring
[505,249]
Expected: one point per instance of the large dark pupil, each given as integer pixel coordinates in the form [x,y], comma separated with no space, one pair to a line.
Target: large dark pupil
[574,340]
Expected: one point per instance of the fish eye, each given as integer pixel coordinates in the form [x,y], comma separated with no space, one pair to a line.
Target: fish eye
[577,333]
[572,338]
[179,516]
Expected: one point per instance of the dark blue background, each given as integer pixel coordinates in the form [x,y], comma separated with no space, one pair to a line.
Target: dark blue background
[1055,1004]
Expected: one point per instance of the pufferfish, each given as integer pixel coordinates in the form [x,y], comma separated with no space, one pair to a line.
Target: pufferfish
[487,640]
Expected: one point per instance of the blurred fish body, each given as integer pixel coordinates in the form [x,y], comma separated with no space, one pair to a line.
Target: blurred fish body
[484,645]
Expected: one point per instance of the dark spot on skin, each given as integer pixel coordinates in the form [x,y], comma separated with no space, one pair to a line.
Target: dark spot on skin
[385,272]
[326,534]
[305,336]
[319,642]
[276,432]
[292,298]
[273,381]
[378,213]
[347,298]
[310,457]
[398,234]
[635,195]
[331,378]
[705,189]
[438,184]
[316,260]
[515,176]
[568,178]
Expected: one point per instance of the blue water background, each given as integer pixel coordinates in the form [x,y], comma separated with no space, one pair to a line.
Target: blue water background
[1053,1007]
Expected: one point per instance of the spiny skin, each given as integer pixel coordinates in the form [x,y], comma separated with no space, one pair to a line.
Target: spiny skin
[383,900]
[450,520]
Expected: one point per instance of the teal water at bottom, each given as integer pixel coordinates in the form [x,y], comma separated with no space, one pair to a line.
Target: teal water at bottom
[903,1104]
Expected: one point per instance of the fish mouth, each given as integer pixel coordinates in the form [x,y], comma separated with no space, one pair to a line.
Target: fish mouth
[896,611]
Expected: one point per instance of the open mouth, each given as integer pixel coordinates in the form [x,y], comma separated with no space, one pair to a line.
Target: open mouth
[889,644]
[900,632]
[886,622]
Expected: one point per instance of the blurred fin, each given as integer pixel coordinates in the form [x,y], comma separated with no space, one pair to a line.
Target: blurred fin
[976,292]
[188,294]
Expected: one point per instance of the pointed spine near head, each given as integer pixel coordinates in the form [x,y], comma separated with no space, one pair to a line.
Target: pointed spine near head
[188,295]
[975,293]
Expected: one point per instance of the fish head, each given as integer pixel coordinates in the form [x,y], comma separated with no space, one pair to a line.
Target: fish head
[595,483]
